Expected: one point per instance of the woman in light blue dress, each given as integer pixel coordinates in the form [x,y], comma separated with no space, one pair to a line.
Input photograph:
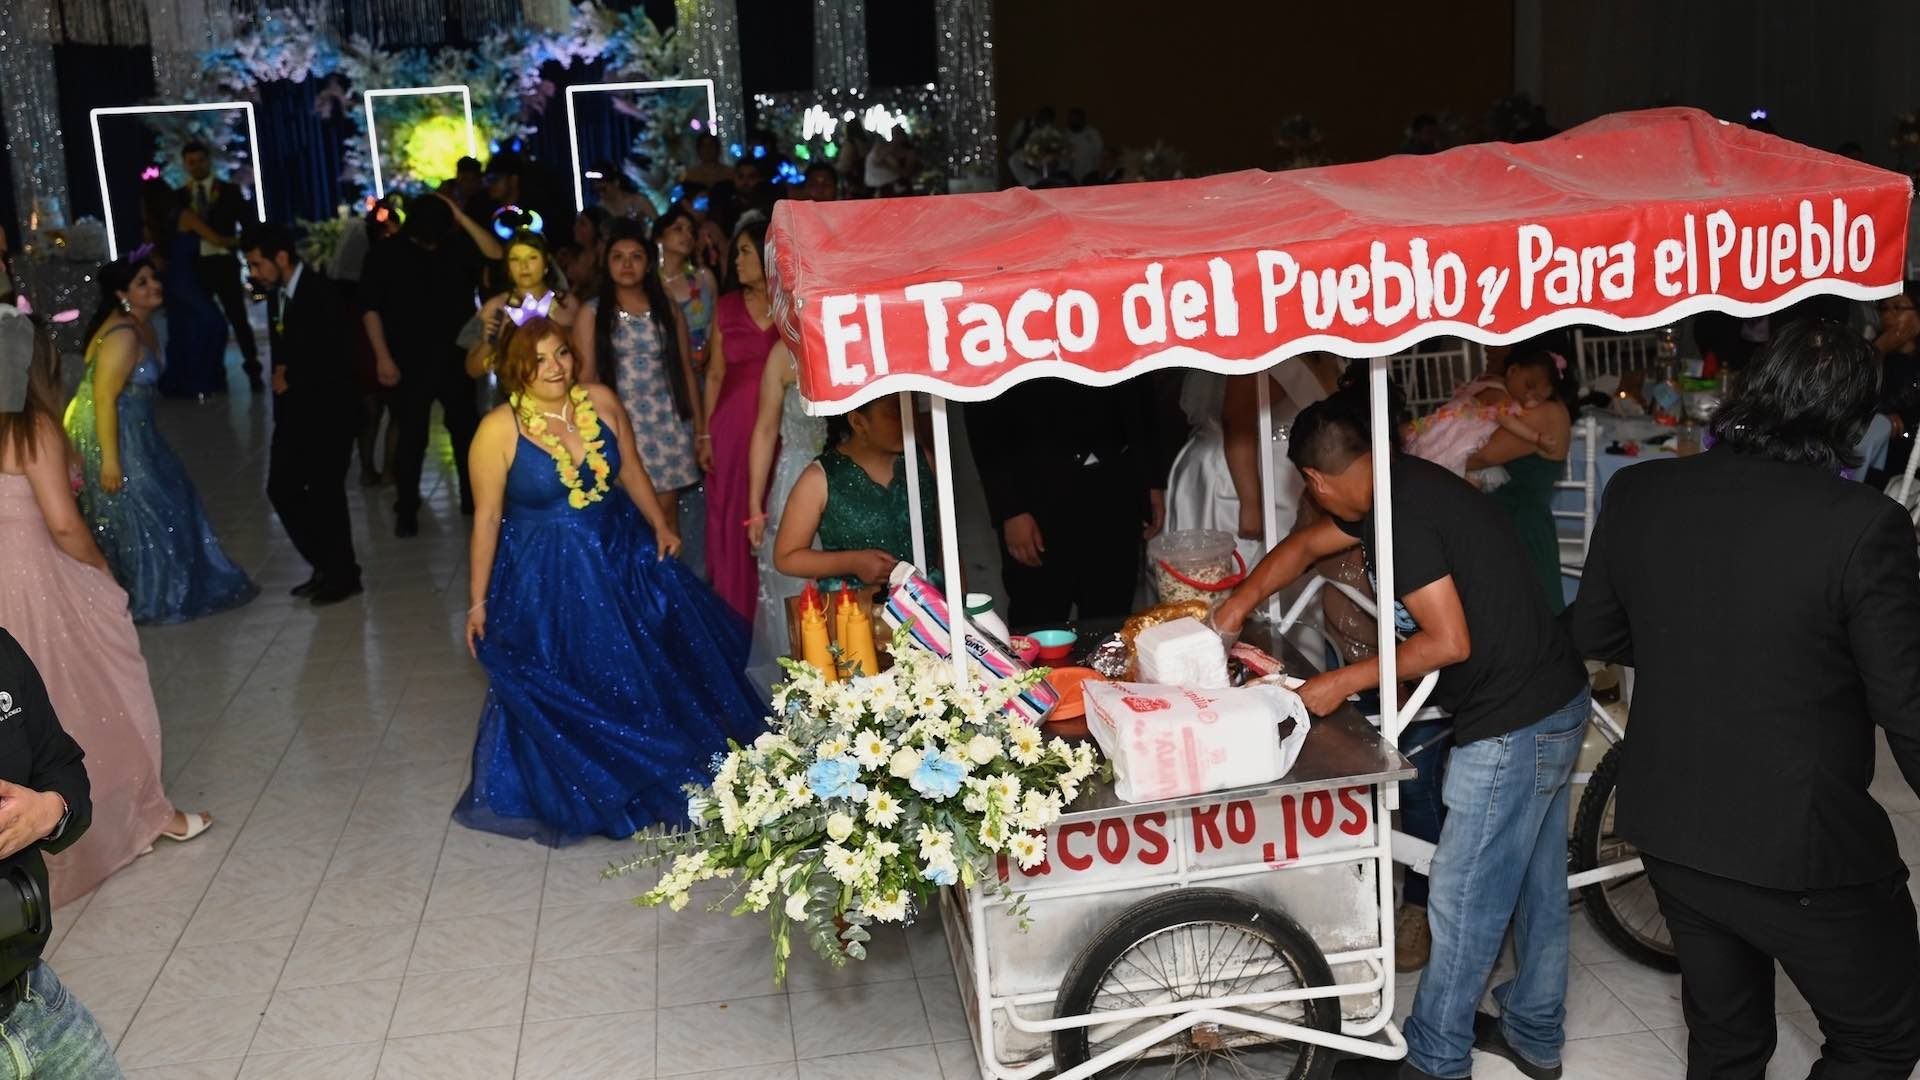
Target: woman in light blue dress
[144,511]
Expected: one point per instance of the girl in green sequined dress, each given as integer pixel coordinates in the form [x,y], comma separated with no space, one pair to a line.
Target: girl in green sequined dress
[1547,393]
[854,498]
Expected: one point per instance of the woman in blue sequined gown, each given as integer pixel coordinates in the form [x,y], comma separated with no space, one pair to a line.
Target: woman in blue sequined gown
[144,511]
[615,676]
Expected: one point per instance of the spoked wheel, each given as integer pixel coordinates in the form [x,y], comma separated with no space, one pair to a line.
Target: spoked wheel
[1624,910]
[1196,945]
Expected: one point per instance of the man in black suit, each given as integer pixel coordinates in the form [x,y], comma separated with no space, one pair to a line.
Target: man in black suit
[316,413]
[1763,665]
[1076,482]
[221,205]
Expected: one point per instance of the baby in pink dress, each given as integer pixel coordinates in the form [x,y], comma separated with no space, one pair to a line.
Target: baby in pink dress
[1456,431]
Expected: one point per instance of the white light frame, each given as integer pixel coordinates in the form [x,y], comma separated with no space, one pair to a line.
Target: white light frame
[373,136]
[100,158]
[573,134]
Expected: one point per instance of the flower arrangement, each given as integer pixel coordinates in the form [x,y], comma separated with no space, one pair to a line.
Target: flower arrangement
[578,496]
[865,797]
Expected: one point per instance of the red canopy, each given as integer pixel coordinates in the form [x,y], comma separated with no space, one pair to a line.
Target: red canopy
[1629,221]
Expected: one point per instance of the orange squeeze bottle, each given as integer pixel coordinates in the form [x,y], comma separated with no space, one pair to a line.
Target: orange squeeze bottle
[813,632]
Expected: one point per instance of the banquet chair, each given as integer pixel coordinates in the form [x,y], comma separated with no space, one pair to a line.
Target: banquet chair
[1429,379]
[1612,354]
[1583,478]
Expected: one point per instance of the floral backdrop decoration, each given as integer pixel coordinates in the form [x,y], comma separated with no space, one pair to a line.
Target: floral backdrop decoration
[422,137]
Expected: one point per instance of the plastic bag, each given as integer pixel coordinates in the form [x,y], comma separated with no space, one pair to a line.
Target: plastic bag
[1169,741]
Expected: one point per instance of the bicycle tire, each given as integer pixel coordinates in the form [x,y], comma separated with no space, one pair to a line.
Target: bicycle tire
[1589,824]
[1167,911]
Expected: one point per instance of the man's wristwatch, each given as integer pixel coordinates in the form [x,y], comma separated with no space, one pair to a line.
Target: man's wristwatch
[66,815]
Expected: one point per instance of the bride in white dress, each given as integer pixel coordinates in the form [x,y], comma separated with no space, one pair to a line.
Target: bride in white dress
[781,423]
[1215,482]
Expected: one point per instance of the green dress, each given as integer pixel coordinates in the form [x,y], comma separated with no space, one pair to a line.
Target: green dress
[1527,497]
[861,514]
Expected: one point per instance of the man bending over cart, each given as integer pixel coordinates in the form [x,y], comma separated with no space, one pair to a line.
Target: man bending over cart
[1470,609]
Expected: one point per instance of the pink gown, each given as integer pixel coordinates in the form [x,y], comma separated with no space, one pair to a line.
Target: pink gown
[73,622]
[731,568]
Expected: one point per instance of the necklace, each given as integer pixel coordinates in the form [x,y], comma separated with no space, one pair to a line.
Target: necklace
[578,495]
[563,416]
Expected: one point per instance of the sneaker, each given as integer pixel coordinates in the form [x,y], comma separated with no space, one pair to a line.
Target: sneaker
[1488,1038]
[1412,941]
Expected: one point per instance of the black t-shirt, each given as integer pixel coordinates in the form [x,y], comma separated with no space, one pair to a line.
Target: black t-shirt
[423,297]
[1522,665]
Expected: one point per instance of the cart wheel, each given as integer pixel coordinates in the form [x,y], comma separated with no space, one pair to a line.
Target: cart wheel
[1196,944]
[1624,910]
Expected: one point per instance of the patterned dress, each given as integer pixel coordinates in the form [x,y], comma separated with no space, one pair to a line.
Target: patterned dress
[663,437]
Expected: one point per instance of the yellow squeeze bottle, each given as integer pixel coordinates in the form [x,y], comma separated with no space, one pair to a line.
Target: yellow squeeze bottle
[857,644]
[813,633]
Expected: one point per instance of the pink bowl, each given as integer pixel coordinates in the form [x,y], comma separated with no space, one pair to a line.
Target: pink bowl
[1024,647]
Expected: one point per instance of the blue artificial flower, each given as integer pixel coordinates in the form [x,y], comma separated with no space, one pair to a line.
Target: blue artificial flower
[939,875]
[835,778]
[938,777]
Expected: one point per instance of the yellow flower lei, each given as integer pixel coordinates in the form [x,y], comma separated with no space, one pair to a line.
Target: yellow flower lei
[589,424]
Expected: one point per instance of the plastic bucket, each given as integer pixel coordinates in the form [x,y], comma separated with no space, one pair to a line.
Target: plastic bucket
[1195,564]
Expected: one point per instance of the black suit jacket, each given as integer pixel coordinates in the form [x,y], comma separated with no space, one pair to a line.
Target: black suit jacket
[312,339]
[1772,614]
[224,213]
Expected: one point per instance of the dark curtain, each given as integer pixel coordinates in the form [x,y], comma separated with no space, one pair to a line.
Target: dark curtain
[98,76]
[900,44]
[301,152]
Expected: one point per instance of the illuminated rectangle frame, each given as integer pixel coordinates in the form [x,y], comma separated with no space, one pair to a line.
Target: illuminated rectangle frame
[573,134]
[100,158]
[373,137]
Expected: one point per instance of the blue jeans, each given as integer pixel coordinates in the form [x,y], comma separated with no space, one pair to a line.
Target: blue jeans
[51,1036]
[1502,857]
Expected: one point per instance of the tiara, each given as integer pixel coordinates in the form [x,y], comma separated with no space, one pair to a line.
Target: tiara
[531,307]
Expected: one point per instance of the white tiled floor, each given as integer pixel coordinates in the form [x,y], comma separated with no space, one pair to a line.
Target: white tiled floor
[333,925]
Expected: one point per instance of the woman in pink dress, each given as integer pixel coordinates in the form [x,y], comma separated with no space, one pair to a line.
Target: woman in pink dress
[743,334]
[60,601]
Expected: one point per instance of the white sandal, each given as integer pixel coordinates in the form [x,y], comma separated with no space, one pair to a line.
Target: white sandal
[197,823]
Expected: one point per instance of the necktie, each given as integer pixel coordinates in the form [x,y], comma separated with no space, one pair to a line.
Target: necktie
[200,197]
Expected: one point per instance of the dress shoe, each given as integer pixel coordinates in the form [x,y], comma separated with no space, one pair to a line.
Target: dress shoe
[333,592]
[305,588]
[1366,1068]
[406,526]
[1488,1038]
[1412,938]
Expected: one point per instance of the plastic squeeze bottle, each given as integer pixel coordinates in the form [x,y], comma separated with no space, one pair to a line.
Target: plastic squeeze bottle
[813,633]
[856,645]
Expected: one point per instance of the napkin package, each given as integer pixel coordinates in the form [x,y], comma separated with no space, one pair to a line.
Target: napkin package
[1181,652]
[1170,741]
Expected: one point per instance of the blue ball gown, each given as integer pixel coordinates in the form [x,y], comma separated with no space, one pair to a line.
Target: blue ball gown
[154,532]
[616,677]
